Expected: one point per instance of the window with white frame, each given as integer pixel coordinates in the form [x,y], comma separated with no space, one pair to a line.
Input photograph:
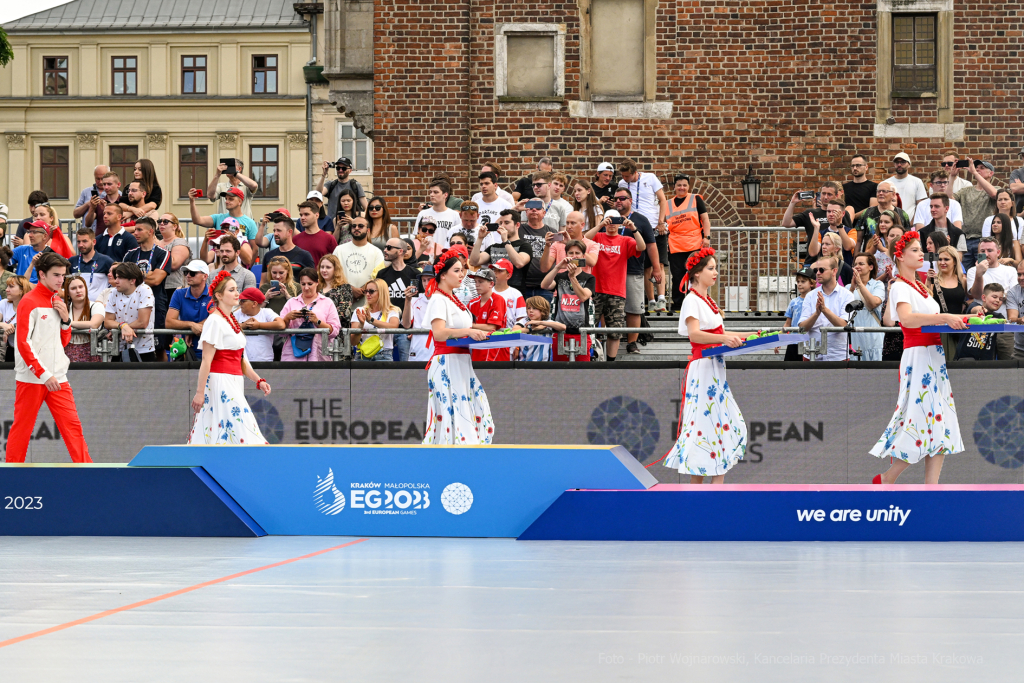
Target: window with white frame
[529,62]
[354,145]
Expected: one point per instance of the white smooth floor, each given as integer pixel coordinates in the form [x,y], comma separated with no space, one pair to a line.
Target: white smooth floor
[495,610]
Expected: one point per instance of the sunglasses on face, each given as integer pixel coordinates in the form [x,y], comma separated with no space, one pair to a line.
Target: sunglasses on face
[375,208]
[164,222]
[189,273]
[388,246]
[949,163]
[622,199]
[429,231]
[539,184]
[370,291]
[821,270]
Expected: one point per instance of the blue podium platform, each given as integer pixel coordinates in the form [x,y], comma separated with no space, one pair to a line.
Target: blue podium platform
[748,512]
[117,500]
[469,491]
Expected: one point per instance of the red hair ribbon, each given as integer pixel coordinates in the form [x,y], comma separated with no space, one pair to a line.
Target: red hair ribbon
[692,262]
[217,279]
[907,238]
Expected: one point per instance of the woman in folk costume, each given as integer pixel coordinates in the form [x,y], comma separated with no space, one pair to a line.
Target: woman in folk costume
[713,436]
[222,413]
[924,426]
[457,409]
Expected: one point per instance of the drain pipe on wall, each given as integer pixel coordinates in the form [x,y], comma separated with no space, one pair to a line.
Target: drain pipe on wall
[309,106]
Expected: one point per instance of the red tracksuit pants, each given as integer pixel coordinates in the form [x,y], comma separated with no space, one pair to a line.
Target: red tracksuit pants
[27,400]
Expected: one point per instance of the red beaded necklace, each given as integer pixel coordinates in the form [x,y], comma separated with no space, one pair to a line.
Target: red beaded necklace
[454,299]
[918,287]
[711,304]
[231,321]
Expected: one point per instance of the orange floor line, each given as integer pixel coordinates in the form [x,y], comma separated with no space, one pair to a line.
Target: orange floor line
[165,596]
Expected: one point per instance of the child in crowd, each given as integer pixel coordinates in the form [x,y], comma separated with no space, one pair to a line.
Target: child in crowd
[538,312]
[805,282]
[982,345]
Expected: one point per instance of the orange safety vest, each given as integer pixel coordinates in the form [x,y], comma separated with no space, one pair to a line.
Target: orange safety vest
[684,229]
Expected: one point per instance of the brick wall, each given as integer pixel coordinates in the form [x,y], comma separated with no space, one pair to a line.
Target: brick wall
[785,85]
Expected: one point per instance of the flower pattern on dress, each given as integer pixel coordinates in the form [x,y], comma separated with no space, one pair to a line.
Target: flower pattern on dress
[457,402]
[714,436]
[924,422]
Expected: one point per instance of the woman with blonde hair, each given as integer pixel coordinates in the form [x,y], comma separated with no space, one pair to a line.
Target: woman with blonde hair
[949,287]
[378,313]
[280,270]
[832,245]
[171,239]
[334,286]
[85,315]
[17,287]
[586,202]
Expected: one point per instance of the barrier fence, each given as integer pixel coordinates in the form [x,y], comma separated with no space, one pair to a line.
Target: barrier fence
[756,269]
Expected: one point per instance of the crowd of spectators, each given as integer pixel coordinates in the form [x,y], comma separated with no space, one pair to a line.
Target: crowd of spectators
[599,250]
[970,230]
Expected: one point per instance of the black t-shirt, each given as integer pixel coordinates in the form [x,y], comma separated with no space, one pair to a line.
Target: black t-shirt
[569,310]
[636,264]
[498,252]
[979,346]
[524,186]
[533,242]
[859,195]
[156,195]
[148,261]
[602,192]
[398,281]
[298,257]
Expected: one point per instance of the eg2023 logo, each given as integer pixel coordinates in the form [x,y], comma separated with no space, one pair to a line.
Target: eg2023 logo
[375,498]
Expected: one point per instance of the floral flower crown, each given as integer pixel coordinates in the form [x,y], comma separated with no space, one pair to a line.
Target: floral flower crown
[692,262]
[907,238]
[217,279]
[457,250]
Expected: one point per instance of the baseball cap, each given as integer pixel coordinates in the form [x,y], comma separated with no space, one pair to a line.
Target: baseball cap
[534,204]
[903,156]
[503,264]
[236,192]
[605,166]
[3,211]
[484,274]
[428,220]
[40,224]
[232,222]
[612,213]
[315,195]
[344,161]
[469,206]
[979,162]
[806,272]
[197,266]
[253,294]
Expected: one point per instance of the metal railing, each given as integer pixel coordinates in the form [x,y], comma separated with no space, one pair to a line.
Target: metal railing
[756,264]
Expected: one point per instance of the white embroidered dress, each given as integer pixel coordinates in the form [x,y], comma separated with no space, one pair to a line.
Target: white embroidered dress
[925,422]
[225,416]
[457,408]
[713,435]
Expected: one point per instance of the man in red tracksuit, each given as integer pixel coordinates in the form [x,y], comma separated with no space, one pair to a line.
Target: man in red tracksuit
[40,364]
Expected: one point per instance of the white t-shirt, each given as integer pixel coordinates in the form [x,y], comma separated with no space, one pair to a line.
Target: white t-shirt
[418,350]
[911,190]
[645,196]
[359,262]
[693,307]
[489,212]
[502,194]
[387,340]
[440,307]
[448,221]
[923,215]
[259,348]
[95,308]
[1004,275]
[126,310]
[1018,229]
[901,292]
[515,306]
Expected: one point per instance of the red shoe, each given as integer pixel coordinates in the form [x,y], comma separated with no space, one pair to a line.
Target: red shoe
[877,479]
